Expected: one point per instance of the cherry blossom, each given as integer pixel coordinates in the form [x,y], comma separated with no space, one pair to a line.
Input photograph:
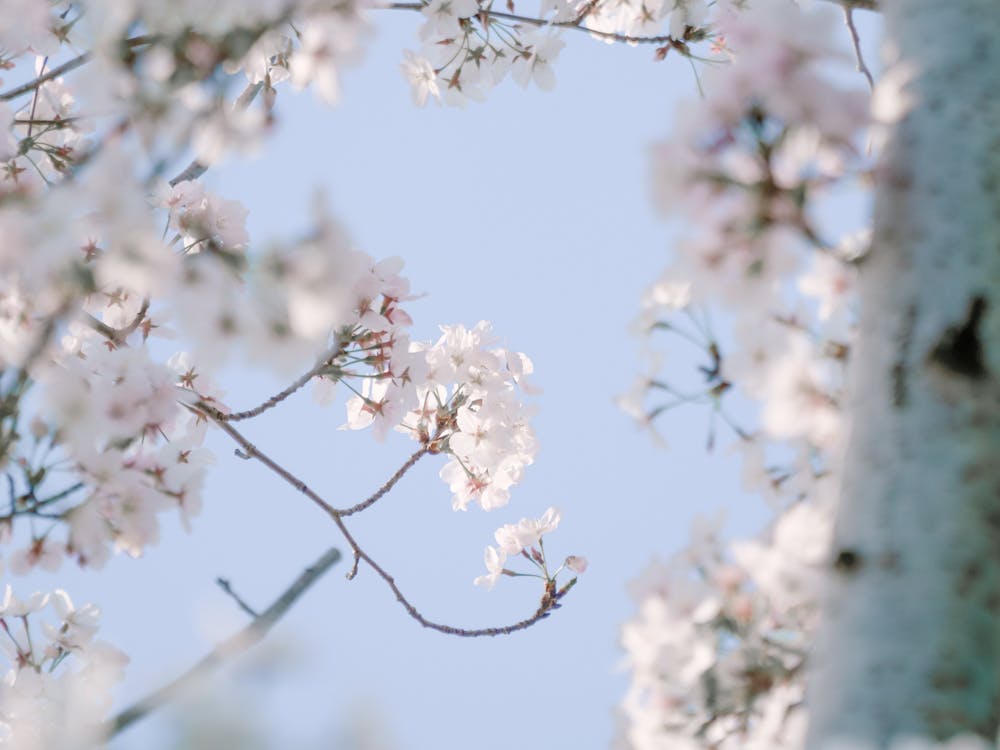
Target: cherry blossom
[495,560]
[56,690]
[717,648]
[421,76]
[524,539]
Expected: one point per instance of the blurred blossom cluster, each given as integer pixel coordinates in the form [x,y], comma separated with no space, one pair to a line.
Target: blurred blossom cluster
[57,686]
[717,649]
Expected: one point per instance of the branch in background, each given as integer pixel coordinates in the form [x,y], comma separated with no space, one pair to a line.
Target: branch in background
[55,72]
[66,67]
[228,588]
[861,66]
[236,644]
[549,601]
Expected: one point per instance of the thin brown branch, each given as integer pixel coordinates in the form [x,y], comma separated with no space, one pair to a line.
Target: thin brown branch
[235,644]
[59,122]
[541,22]
[858,4]
[55,72]
[101,327]
[34,96]
[549,601]
[66,67]
[381,491]
[862,66]
[224,584]
[277,398]
[118,336]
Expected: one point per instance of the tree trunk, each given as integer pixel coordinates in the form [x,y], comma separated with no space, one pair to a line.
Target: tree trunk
[911,638]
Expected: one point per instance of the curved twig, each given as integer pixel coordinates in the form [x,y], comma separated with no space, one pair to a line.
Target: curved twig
[226,586]
[381,491]
[549,601]
[235,644]
[277,398]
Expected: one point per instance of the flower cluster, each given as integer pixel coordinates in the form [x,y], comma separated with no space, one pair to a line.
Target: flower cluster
[471,404]
[750,164]
[525,539]
[119,418]
[44,702]
[460,398]
[468,47]
[465,56]
[717,649]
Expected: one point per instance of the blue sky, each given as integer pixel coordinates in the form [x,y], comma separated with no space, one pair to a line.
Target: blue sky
[531,211]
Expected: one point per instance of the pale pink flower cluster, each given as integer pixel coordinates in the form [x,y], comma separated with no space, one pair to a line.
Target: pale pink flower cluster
[525,539]
[57,135]
[56,688]
[468,48]
[717,649]
[486,433]
[136,450]
[513,539]
[327,42]
[461,398]
[773,131]
[748,165]
[716,658]
[37,21]
[203,220]
[644,17]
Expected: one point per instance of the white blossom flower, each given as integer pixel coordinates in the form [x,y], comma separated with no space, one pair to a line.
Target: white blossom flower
[527,532]
[495,560]
[421,76]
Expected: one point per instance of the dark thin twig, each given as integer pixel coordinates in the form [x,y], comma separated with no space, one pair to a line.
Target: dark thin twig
[862,67]
[227,587]
[59,122]
[117,336]
[235,644]
[381,491]
[66,67]
[55,72]
[574,24]
[277,398]
[547,604]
